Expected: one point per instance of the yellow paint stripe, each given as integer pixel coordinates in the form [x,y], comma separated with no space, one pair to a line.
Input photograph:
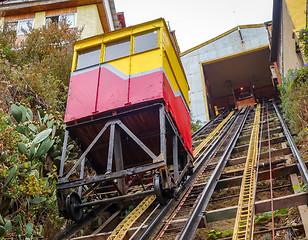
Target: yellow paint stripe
[120,231]
[222,35]
[235,54]
[212,134]
[245,204]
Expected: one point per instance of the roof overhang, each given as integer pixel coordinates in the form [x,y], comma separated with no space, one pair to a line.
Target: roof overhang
[276,28]
[237,28]
[8,8]
[21,7]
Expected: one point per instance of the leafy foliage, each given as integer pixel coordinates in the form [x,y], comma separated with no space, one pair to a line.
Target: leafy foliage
[195,125]
[38,67]
[303,41]
[34,70]
[28,174]
[294,98]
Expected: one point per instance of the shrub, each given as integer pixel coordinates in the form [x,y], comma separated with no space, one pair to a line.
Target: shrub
[39,67]
[294,98]
[30,156]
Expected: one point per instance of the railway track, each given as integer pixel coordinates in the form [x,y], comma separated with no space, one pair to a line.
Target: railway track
[249,149]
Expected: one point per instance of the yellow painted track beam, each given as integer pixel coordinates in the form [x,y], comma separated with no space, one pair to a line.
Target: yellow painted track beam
[120,231]
[245,204]
[212,134]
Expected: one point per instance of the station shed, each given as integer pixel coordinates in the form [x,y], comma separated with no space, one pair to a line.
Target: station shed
[236,58]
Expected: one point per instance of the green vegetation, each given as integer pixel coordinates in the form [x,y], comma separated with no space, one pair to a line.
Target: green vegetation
[294,94]
[266,215]
[212,234]
[28,173]
[34,73]
[195,125]
[294,99]
[37,69]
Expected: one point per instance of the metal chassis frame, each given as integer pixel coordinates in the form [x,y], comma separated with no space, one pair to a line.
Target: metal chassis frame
[115,152]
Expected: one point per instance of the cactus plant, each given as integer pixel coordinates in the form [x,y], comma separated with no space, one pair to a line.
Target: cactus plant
[27,171]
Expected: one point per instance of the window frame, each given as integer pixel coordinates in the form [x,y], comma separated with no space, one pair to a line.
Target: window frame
[105,43]
[157,30]
[19,30]
[85,49]
[61,16]
[132,43]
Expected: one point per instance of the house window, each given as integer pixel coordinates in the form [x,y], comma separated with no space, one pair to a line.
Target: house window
[88,57]
[117,49]
[24,26]
[21,26]
[145,42]
[70,19]
[10,26]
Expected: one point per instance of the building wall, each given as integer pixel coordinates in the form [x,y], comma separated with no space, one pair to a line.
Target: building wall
[289,59]
[227,44]
[88,18]
[1,23]
[297,13]
[39,19]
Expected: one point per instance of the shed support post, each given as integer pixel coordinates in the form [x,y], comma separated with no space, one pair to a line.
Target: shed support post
[118,157]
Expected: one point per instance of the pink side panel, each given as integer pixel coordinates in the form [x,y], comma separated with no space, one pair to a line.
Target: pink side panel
[179,113]
[113,91]
[82,95]
[145,88]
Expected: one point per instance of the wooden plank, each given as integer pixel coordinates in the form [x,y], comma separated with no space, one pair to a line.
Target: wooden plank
[263,175]
[38,6]
[260,207]
[263,156]
[103,17]
[264,143]
[272,131]
[303,209]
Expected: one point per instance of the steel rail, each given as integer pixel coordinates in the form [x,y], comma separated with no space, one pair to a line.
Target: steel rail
[183,188]
[206,125]
[187,194]
[191,226]
[299,161]
[271,175]
[212,141]
[75,227]
[120,231]
[198,149]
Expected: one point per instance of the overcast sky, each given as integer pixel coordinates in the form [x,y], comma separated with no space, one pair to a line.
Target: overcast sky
[196,21]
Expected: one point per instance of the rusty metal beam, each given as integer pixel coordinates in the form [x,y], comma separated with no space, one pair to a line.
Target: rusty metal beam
[264,175]
[264,143]
[113,175]
[263,156]
[260,207]
[272,131]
